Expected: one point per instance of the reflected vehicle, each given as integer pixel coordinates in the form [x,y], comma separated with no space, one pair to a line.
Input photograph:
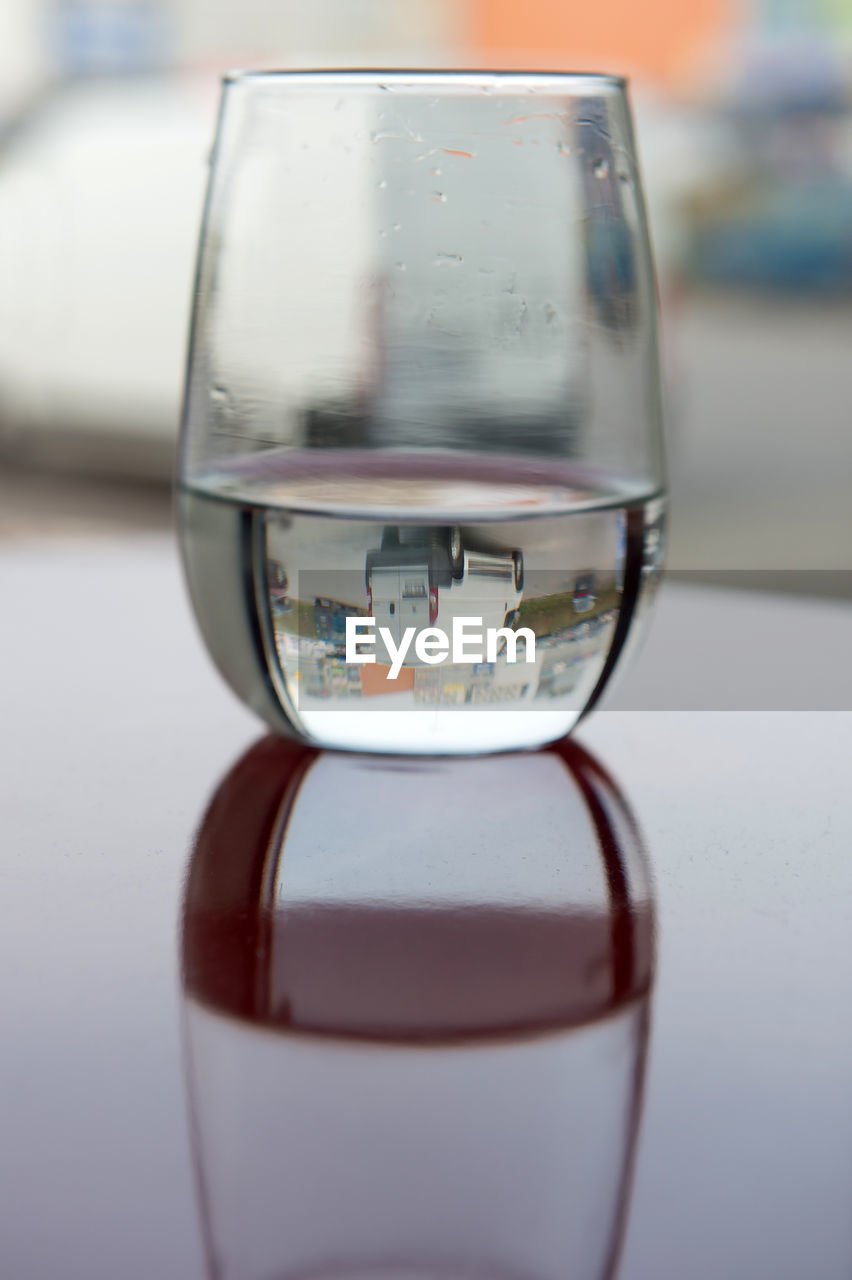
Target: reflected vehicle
[427,577]
[584,593]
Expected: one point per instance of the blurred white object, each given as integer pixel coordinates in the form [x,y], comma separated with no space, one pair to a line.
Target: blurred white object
[101,193]
[682,150]
[24,63]
[100,203]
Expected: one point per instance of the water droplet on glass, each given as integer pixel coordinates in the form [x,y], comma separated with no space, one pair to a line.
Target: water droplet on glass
[601,168]
[400,266]
[436,173]
[382,233]
[563,148]
[447,259]
[383,185]
[439,197]
[397,226]
[221,399]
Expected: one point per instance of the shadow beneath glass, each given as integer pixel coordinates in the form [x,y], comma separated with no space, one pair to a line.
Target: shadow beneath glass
[417,1013]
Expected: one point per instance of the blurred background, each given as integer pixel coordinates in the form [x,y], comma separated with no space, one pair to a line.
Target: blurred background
[744,121]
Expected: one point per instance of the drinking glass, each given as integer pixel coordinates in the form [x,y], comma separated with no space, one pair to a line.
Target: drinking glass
[415,1049]
[421,480]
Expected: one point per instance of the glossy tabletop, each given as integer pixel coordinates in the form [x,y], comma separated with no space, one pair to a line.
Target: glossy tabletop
[116,733]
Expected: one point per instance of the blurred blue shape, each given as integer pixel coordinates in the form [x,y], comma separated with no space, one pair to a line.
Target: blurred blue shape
[101,37]
[800,239]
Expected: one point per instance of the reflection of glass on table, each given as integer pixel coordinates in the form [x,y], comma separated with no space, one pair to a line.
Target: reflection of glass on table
[416,999]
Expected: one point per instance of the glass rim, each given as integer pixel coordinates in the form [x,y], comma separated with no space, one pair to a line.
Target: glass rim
[432,78]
